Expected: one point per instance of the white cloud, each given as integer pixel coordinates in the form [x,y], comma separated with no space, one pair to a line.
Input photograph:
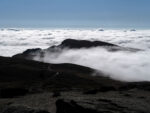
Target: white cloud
[120,65]
[26,38]
[126,66]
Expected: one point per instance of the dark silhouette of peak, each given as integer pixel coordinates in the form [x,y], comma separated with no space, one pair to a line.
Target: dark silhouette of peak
[72,43]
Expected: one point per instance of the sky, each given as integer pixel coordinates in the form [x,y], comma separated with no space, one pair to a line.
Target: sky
[75,13]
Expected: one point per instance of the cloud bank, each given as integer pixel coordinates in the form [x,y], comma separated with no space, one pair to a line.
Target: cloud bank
[13,41]
[121,65]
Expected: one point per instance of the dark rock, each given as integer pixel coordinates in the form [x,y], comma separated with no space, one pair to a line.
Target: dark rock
[107,88]
[94,91]
[101,106]
[101,89]
[12,92]
[36,76]
[76,44]
[141,97]
[56,94]
[127,95]
[19,76]
[136,85]
[29,53]
[112,107]
[72,107]
[32,50]
[13,109]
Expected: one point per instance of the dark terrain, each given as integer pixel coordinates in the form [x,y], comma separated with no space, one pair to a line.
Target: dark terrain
[28,86]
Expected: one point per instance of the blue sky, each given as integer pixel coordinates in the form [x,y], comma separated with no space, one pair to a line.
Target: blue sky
[75,13]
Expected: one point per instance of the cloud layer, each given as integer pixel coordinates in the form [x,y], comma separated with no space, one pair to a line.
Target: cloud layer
[13,41]
[121,65]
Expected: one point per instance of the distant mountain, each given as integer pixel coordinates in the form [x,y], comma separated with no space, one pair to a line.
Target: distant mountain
[72,44]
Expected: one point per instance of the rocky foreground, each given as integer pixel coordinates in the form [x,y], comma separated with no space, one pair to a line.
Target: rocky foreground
[28,86]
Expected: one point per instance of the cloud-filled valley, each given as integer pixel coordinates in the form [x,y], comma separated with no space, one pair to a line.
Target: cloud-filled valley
[122,65]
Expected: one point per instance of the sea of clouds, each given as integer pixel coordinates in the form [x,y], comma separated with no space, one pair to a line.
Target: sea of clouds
[122,65]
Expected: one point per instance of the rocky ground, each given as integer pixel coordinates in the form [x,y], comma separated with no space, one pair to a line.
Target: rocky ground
[132,101]
[28,86]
